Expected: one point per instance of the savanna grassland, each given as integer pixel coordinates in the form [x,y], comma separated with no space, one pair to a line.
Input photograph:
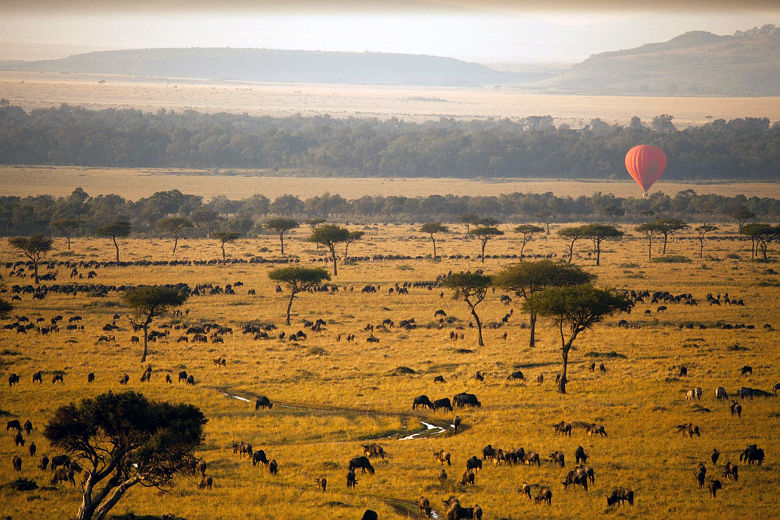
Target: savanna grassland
[135,183]
[340,394]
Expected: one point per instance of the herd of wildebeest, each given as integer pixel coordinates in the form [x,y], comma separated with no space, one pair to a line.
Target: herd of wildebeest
[64,469]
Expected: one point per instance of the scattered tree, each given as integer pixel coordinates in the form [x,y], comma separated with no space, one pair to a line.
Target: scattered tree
[149,302]
[667,226]
[173,226]
[313,223]
[577,307]
[205,219]
[545,217]
[67,226]
[485,234]
[432,228]
[472,289]
[648,229]
[760,235]
[329,235]
[572,234]
[34,248]
[527,230]
[741,214]
[468,219]
[613,211]
[702,231]
[280,226]
[225,237]
[123,440]
[118,228]
[598,233]
[353,236]
[298,279]
[528,278]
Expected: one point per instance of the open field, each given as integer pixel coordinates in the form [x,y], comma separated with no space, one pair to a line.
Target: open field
[38,90]
[134,184]
[339,393]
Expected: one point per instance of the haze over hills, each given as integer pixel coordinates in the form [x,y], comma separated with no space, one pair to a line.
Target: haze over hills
[696,63]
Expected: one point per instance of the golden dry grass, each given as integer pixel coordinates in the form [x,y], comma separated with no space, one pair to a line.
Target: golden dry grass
[36,90]
[135,183]
[639,399]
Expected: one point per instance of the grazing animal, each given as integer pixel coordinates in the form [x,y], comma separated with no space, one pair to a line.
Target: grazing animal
[33,448]
[15,424]
[558,458]
[746,370]
[576,477]
[516,376]
[18,439]
[273,467]
[191,380]
[60,460]
[422,400]
[17,463]
[200,467]
[443,456]
[442,403]
[182,376]
[580,455]
[690,394]
[263,402]
[474,463]
[596,429]
[562,428]
[731,471]
[544,495]
[700,473]
[714,485]
[736,409]
[456,423]
[362,463]
[690,429]
[322,483]
[442,475]
[206,482]
[37,377]
[752,454]
[168,378]
[57,377]
[683,371]
[90,377]
[351,479]
[468,478]
[425,507]
[464,399]
[13,379]
[620,495]
[526,489]
[720,393]
[259,456]
[63,475]
[373,450]
[28,427]
[439,379]
[715,455]
[44,463]
[370,515]
[533,458]
[124,379]
[698,392]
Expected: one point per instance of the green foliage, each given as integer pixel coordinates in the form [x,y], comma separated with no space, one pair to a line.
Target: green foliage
[226,236]
[433,227]
[299,278]
[117,228]
[528,229]
[33,247]
[123,440]
[527,278]
[173,225]
[280,226]
[578,306]
[672,259]
[329,234]
[153,300]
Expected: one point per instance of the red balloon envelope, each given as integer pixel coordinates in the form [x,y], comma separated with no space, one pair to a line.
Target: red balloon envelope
[645,163]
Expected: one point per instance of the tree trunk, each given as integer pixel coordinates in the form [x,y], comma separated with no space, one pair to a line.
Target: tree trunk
[562,381]
[532,343]
[548,227]
[103,510]
[117,248]
[763,246]
[35,269]
[289,306]
[68,237]
[666,238]
[522,248]
[434,247]
[598,252]
[146,342]
[175,243]
[701,248]
[650,247]
[346,253]
[281,240]
[571,250]
[333,256]
[223,253]
[479,326]
[484,243]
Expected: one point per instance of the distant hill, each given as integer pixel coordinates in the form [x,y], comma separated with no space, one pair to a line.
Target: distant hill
[275,66]
[698,63]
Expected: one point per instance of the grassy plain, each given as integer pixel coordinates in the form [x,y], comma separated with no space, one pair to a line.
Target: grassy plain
[38,90]
[349,392]
[135,183]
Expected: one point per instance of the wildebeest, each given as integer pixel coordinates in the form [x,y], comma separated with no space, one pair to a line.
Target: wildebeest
[596,429]
[731,471]
[532,457]
[191,379]
[373,450]
[683,371]
[28,427]
[620,495]
[700,473]
[273,467]
[690,429]
[558,458]
[168,378]
[18,439]
[90,377]
[200,467]
[424,506]
[263,402]
[474,463]
[516,376]
[206,482]
[17,463]
[442,403]
[580,455]
[63,475]
[44,463]
[526,489]
[468,477]
[747,369]
[259,456]
[544,495]
[714,485]
[488,452]
[752,392]
[182,376]
[736,409]
[322,483]
[439,379]
[562,428]
[124,379]
[456,423]
[60,460]
[351,479]
[455,511]
[15,424]
[370,515]
[442,457]
[422,400]
[576,477]
[721,394]
[37,377]
[464,399]
[715,455]
[362,463]
[752,454]
[33,448]
[58,376]
[13,379]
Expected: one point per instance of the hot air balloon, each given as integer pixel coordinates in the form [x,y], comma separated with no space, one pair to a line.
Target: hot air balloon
[645,163]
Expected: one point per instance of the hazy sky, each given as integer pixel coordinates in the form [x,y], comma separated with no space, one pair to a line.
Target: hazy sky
[485,31]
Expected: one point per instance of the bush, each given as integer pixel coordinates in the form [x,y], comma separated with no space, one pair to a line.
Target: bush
[672,259]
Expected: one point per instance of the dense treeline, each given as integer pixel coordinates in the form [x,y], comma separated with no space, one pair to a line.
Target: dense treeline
[39,214]
[745,149]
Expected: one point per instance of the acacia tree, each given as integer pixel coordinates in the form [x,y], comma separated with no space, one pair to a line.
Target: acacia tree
[546,218]
[468,219]
[760,235]
[205,219]
[702,231]
[34,248]
[648,229]
[280,226]
[575,308]
[149,302]
[432,228]
[668,226]
[472,289]
[613,211]
[123,440]
[313,223]
[353,236]
[225,237]
[298,279]
[572,234]
[118,228]
[599,233]
[67,226]
[485,234]
[741,215]
[527,230]
[174,226]
[527,278]
[329,235]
